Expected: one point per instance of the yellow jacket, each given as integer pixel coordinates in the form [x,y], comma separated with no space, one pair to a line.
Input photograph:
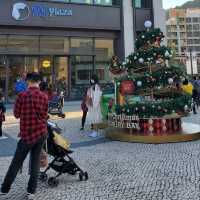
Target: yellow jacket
[187,88]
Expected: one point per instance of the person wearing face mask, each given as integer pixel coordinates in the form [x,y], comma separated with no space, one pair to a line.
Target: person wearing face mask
[93,100]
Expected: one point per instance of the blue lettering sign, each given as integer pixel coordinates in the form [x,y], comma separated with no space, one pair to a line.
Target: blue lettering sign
[40,11]
[44,11]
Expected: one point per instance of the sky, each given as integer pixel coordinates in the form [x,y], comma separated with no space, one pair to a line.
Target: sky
[173,3]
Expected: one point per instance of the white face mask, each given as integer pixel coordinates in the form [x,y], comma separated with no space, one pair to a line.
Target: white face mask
[92,81]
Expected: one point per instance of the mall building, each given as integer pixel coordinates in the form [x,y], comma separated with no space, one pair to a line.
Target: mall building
[69,39]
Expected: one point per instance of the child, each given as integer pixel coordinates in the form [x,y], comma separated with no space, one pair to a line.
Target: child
[85,110]
[110,104]
[2,113]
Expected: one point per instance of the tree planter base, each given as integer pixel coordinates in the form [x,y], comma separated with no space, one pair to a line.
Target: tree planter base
[188,132]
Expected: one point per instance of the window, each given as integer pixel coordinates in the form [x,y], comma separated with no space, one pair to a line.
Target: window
[189,27]
[196,27]
[82,67]
[97,2]
[104,50]
[195,19]
[22,43]
[81,45]
[196,34]
[3,42]
[188,20]
[82,1]
[189,34]
[142,3]
[103,2]
[64,1]
[51,44]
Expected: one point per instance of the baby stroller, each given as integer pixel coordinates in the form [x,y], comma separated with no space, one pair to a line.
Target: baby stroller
[58,147]
[56,104]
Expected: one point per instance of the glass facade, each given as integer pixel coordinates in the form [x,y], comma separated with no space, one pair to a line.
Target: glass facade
[49,44]
[22,43]
[104,49]
[72,59]
[142,3]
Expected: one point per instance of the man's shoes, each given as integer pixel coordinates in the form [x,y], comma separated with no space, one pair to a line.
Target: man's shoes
[3,193]
[30,196]
[194,113]
[81,129]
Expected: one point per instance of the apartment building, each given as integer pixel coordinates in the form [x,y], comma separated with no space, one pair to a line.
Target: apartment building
[183,35]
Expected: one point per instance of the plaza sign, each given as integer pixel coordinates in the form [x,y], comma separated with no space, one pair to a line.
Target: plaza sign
[22,11]
[45,11]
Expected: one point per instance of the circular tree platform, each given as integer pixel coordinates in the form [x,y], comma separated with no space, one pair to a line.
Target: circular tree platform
[189,132]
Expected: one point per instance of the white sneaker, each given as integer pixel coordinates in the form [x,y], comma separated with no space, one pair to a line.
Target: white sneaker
[3,137]
[94,134]
[30,196]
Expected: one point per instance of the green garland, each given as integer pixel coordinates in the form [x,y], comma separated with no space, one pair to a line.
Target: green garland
[143,57]
[158,78]
[180,104]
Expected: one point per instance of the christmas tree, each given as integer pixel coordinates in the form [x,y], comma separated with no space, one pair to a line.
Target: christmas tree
[150,87]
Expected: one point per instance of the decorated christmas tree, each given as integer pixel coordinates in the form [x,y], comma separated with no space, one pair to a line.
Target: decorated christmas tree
[150,88]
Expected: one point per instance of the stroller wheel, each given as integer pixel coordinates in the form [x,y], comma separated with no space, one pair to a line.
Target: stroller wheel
[53,182]
[43,176]
[63,115]
[81,174]
[86,176]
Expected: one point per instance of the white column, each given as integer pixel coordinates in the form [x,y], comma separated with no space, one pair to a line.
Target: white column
[159,15]
[128,27]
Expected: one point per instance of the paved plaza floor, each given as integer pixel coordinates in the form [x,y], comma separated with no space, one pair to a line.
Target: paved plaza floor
[117,170]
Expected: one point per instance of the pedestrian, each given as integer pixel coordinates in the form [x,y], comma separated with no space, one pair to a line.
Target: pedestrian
[44,84]
[20,85]
[2,114]
[31,108]
[194,100]
[94,94]
[188,88]
[84,110]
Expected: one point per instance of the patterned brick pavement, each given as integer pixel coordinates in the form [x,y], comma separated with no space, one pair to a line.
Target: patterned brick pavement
[121,171]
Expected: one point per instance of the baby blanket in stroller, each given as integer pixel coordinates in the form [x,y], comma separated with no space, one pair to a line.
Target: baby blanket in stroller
[61,141]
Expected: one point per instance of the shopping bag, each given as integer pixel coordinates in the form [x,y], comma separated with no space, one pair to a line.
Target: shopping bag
[43,159]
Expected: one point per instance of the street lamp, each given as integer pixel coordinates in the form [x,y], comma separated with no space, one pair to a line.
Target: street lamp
[191,60]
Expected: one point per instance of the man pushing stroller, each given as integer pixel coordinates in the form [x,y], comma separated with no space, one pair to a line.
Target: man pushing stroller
[31,108]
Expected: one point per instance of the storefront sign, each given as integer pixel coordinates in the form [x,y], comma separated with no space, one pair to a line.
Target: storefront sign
[45,11]
[123,121]
[22,11]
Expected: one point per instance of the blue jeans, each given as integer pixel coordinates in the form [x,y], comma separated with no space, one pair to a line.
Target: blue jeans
[20,155]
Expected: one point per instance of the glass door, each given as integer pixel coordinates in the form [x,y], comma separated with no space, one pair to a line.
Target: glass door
[82,68]
[16,74]
[18,67]
[61,74]
[3,74]
[46,69]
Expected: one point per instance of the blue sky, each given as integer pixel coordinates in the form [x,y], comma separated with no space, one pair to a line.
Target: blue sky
[173,3]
